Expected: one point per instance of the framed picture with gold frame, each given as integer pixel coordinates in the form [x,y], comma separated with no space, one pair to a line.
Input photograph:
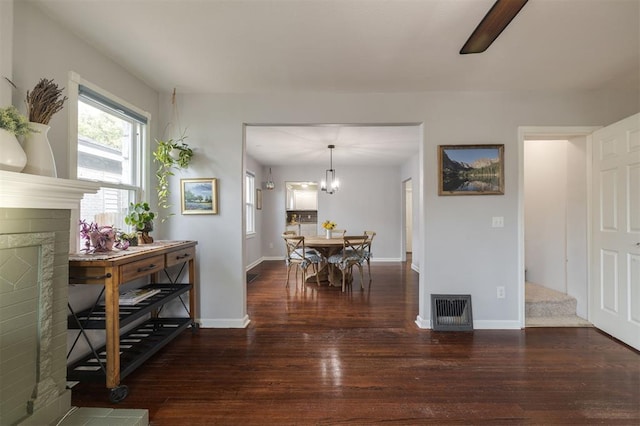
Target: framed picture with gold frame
[199,196]
[471,170]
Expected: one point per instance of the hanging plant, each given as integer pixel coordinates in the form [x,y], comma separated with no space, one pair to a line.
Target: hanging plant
[170,155]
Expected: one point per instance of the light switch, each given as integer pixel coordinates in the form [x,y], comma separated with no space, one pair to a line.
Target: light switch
[497,222]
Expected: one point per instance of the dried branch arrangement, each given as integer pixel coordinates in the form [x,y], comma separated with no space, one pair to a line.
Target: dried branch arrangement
[44,101]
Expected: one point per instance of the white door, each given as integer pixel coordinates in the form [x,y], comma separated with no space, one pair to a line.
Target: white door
[614,284]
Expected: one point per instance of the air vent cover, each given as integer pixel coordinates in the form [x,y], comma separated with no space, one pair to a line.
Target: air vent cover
[451,312]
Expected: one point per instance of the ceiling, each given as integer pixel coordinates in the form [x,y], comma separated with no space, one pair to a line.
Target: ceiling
[354,145]
[263,46]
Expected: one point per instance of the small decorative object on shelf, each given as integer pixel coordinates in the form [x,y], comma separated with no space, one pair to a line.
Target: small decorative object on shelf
[328,227]
[141,217]
[12,124]
[42,103]
[99,239]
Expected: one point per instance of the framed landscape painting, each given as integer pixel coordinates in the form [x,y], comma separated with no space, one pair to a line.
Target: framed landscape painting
[471,170]
[199,196]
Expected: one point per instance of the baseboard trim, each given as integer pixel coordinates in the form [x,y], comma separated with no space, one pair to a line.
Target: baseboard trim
[225,322]
[415,267]
[422,323]
[477,324]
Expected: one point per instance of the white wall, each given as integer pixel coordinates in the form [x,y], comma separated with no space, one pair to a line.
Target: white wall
[369,199]
[577,225]
[43,49]
[6,51]
[555,180]
[461,253]
[411,170]
[545,192]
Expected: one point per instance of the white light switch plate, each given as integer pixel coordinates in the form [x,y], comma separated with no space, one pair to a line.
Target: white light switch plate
[497,222]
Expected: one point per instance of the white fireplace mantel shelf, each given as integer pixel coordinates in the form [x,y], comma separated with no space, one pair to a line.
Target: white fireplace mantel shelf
[21,190]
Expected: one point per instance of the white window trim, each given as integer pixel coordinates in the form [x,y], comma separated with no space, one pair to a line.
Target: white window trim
[254,232]
[73,86]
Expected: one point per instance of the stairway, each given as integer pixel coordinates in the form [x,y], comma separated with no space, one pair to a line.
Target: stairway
[549,308]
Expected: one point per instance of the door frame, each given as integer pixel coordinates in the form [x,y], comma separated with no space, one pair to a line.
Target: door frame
[546,132]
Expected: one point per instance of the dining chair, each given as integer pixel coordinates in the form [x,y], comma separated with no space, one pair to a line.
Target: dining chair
[339,232]
[300,257]
[289,233]
[368,254]
[352,254]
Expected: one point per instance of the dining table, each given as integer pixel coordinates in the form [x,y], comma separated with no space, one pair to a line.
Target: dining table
[326,247]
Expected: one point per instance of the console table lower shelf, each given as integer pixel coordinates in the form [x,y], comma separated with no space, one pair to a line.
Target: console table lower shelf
[136,346]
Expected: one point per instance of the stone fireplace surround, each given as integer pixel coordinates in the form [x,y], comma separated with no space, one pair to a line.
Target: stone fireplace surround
[35,217]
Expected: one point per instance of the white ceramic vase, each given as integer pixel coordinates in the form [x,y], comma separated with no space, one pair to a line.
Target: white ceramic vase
[12,156]
[36,145]
[327,234]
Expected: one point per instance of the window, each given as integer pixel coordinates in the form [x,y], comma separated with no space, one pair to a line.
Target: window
[111,138]
[250,197]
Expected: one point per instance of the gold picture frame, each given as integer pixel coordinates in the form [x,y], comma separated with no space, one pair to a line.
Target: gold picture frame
[471,170]
[199,196]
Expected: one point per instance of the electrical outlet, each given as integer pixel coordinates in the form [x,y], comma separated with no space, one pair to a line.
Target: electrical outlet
[501,292]
[497,222]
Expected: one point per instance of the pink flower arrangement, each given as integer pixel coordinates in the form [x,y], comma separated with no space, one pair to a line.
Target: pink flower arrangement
[99,239]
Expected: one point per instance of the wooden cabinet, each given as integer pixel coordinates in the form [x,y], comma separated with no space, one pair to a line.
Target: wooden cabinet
[124,353]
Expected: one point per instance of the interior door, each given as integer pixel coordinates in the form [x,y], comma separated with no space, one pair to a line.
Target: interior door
[614,284]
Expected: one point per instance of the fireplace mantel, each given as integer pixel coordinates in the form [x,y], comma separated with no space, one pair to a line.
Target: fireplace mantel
[21,190]
[36,213]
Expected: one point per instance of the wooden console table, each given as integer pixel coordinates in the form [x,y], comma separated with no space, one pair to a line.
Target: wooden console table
[126,352]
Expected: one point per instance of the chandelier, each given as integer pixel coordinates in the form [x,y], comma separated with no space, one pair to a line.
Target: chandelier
[330,184]
[269,184]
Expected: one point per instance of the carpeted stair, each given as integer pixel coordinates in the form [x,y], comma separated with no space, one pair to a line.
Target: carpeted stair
[549,308]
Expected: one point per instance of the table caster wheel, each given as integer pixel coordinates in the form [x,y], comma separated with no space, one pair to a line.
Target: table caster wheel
[118,394]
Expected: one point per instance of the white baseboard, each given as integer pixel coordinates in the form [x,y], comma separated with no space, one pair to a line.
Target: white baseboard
[415,267]
[423,323]
[496,325]
[477,324]
[225,322]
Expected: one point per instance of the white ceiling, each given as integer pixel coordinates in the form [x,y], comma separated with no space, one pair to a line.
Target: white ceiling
[354,145]
[211,46]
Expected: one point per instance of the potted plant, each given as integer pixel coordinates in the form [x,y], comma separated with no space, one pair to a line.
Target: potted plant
[141,218]
[12,124]
[43,102]
[170,154]
[131,238]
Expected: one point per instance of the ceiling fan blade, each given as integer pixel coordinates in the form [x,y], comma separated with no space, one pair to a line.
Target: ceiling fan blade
[493,23]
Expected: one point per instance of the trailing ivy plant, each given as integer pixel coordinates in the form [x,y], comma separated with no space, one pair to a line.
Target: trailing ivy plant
[170,154]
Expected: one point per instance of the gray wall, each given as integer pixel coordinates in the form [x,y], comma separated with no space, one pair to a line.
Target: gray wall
[460,252]
[369,198]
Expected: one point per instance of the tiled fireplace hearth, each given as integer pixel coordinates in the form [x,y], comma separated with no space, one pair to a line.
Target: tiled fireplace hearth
[35,217]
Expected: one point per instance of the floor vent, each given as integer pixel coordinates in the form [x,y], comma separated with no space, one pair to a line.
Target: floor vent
[451,312]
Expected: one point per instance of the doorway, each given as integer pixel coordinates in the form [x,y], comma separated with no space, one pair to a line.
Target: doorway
[555,193]
[407,191]
[553,217]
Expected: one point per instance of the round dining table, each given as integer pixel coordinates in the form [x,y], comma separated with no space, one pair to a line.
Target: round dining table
[327,247]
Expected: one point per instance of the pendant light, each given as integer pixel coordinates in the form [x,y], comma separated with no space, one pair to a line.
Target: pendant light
[330,184]
[269,184]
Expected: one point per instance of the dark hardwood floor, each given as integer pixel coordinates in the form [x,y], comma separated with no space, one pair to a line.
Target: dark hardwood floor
[321,356]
